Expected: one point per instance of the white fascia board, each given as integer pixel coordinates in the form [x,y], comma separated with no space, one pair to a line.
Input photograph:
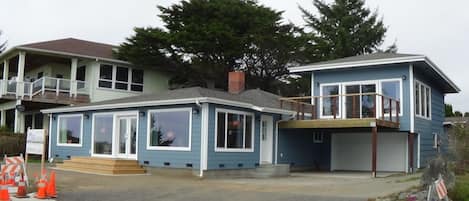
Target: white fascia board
[440,73]
[355,64]
[249,106]
[72,55]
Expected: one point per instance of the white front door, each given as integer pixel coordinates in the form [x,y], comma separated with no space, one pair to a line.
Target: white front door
[126,137]
[266,139]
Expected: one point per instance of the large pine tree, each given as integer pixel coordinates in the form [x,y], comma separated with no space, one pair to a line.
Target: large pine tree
[343,28]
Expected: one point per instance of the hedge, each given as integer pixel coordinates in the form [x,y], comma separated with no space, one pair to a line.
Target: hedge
[12,143]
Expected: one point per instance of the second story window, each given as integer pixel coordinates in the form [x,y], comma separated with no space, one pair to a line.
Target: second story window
[120,78]
[422,100]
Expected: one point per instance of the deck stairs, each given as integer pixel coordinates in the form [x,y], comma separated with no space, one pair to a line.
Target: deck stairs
[109,166]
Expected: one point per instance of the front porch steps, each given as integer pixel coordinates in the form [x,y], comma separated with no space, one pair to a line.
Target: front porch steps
[107,166]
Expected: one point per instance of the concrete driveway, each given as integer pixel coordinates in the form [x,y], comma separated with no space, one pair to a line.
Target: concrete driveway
[300,186]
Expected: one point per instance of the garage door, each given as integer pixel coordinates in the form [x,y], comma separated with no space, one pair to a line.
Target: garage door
[352,151]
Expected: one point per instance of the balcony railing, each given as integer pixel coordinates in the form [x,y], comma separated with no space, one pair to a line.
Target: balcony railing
[345,106]
[44,85]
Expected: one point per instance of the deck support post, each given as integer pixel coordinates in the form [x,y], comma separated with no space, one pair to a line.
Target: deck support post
[20,75]
[6,68]
[411,151]
[73,77]
[374,146]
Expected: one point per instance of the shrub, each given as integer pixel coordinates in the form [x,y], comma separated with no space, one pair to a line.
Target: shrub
[460,192]
[12,143]
[438,166]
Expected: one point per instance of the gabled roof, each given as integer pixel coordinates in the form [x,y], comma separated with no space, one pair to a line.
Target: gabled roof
[255,99]
[72,47]
[375,59]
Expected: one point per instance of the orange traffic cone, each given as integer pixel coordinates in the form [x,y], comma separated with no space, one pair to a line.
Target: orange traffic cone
[51,191]
[41,189]
[4,196]
[21,192]
[11,179]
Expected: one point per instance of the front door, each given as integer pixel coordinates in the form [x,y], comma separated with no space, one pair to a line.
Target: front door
[126,138]
[266,142]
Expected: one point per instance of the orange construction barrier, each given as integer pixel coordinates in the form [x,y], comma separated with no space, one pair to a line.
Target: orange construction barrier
[21,192]
[4,195]
[41,189]
[51,191]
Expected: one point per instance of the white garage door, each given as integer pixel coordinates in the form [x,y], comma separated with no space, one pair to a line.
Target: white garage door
[352,151]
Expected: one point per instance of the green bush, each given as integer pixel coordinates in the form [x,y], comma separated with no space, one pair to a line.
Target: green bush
[12,143]
[460,192]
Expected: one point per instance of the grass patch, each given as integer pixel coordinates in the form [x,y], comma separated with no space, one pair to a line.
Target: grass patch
[460,192]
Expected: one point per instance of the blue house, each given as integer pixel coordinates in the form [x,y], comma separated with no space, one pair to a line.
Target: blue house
[376,112]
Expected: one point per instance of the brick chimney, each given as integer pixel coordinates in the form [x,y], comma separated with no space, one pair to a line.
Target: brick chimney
[235,82]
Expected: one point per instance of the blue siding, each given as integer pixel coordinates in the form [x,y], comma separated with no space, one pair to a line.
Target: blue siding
[63,151]
[156,158]
[370,73]
[230,160]
[425,128]
[296,147]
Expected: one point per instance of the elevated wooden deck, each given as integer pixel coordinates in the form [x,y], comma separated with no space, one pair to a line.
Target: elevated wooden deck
[338,123]
[51,97]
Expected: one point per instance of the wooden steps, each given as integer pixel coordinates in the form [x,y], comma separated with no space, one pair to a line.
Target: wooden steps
[102,166]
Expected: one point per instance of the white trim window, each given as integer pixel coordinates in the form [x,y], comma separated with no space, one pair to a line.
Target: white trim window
[318,137]
[327,103]
[70,130]
[120,78]
[169,129]
[392,89]
[234,131]
[423,101]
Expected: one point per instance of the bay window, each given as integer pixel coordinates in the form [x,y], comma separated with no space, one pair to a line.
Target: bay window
[69,130]
[120,78]
[170,129]
[422,100]
[234,131]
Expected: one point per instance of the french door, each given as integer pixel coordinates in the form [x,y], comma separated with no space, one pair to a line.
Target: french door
[126,136]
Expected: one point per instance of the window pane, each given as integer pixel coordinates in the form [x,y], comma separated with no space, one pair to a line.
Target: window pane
[103,128]
[235,131]
[137,76]
[427,100]
[352,103]
[390,89]
[123,86]
[248,141]
[81,73]
[327,105]
[417,99]
[221,130]
[170,128]
[105,72]
[105,84]
[368,101]
[422,98]
[69,130]
[137,88]
[122,74]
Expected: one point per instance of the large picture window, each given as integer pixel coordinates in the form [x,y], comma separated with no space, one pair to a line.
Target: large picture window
[103,129]
[170,129]
[120,78]
[422,100]
[391,89]
[330,100]
[69,130]
[234,131]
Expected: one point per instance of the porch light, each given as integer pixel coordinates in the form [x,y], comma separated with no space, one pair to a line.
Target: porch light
[86,116]
[404,77]
[142,113]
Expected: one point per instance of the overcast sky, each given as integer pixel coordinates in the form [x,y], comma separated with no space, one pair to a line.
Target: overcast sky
[435,28]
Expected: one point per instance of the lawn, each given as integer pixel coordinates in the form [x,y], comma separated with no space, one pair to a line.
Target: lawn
[461,190]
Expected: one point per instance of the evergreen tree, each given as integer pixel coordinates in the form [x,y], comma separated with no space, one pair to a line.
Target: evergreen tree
[202,40]
[449,110]
[344,28]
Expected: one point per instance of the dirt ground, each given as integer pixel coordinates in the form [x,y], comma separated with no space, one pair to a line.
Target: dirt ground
[300,186]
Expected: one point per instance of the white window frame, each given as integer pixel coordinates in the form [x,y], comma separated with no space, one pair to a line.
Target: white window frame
[168,148]
[423,103]
[318,137]
[226,149]
[114,79]
[377,83]
[380,91]
[58,130]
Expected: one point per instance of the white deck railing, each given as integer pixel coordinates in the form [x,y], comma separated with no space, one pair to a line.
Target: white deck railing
[43,85]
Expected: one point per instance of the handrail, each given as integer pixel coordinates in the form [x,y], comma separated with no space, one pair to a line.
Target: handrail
[337,95]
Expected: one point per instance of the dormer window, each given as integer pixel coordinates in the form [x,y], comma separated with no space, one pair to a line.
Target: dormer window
[120,78]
